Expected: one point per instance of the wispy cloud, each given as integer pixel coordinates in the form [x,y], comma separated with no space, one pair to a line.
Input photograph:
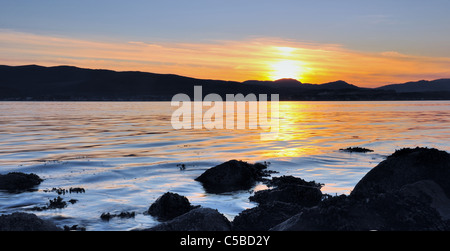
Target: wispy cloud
[229,60]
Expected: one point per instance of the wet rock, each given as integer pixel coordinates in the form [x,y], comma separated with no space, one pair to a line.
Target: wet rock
[25,222]
[169,206]
[356,150]
[384,212]
[290,190]
[122,215]
[264,217]
[56,203]
[199,219]
[233,175]
[62,191]
[17,182]
[406,166]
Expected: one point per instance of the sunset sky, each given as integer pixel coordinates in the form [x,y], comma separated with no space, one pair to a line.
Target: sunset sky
[366,43]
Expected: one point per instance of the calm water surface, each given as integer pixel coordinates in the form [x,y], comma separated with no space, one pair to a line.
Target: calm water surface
[125,154]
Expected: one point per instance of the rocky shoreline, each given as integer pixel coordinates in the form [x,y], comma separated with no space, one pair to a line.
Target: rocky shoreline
[409,191]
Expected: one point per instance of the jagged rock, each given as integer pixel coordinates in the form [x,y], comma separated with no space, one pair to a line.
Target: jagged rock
[199,219]
[169,206]
[25,222]
[16,182]
[232,176]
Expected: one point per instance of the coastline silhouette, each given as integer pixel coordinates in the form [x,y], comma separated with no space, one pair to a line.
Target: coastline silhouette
[68,83]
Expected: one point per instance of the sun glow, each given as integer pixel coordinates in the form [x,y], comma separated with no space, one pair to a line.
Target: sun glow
[286,51]
[286,69]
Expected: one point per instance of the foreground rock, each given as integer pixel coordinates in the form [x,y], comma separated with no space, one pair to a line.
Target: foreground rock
[430,193]
[265,216]
[290,190]
[18,182]
[384,212]
[25,222]
[233,175]
[169,206]
[199,219]
[406,192]
[288,196]
[406,166]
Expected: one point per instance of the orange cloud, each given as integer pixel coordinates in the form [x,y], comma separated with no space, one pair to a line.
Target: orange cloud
[257,58]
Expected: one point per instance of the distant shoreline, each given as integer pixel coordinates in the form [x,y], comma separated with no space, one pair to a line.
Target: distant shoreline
[68,83]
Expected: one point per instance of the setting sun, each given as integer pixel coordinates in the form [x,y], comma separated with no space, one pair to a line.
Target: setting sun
[286,69]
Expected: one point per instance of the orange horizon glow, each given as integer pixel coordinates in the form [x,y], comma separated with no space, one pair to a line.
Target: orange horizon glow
[252,59]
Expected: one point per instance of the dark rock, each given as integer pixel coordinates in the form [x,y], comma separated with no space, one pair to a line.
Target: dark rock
[199,219]
[406,192]
[384,212]
[77,190]
[291,190]
[16,182]
[429,192]
[169,206]
[356,150]
[73,201]
[293,194]
[122,215]
[264,217]
[288,197]
[25,222]
[233,175]
[406,166]
[291,180]
[56,203]
[63,191]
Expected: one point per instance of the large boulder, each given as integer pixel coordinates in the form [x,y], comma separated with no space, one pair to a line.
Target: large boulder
[17,182]
[384,212]
[231,176]
[169,206]
[406,192]
[406,166]
[25,222]
[199,219]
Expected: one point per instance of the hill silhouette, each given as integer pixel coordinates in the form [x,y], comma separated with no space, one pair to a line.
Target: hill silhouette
[420,86]
[33,82]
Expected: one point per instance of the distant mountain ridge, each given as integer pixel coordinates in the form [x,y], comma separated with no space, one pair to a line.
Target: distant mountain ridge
[420,86]
[33,82]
